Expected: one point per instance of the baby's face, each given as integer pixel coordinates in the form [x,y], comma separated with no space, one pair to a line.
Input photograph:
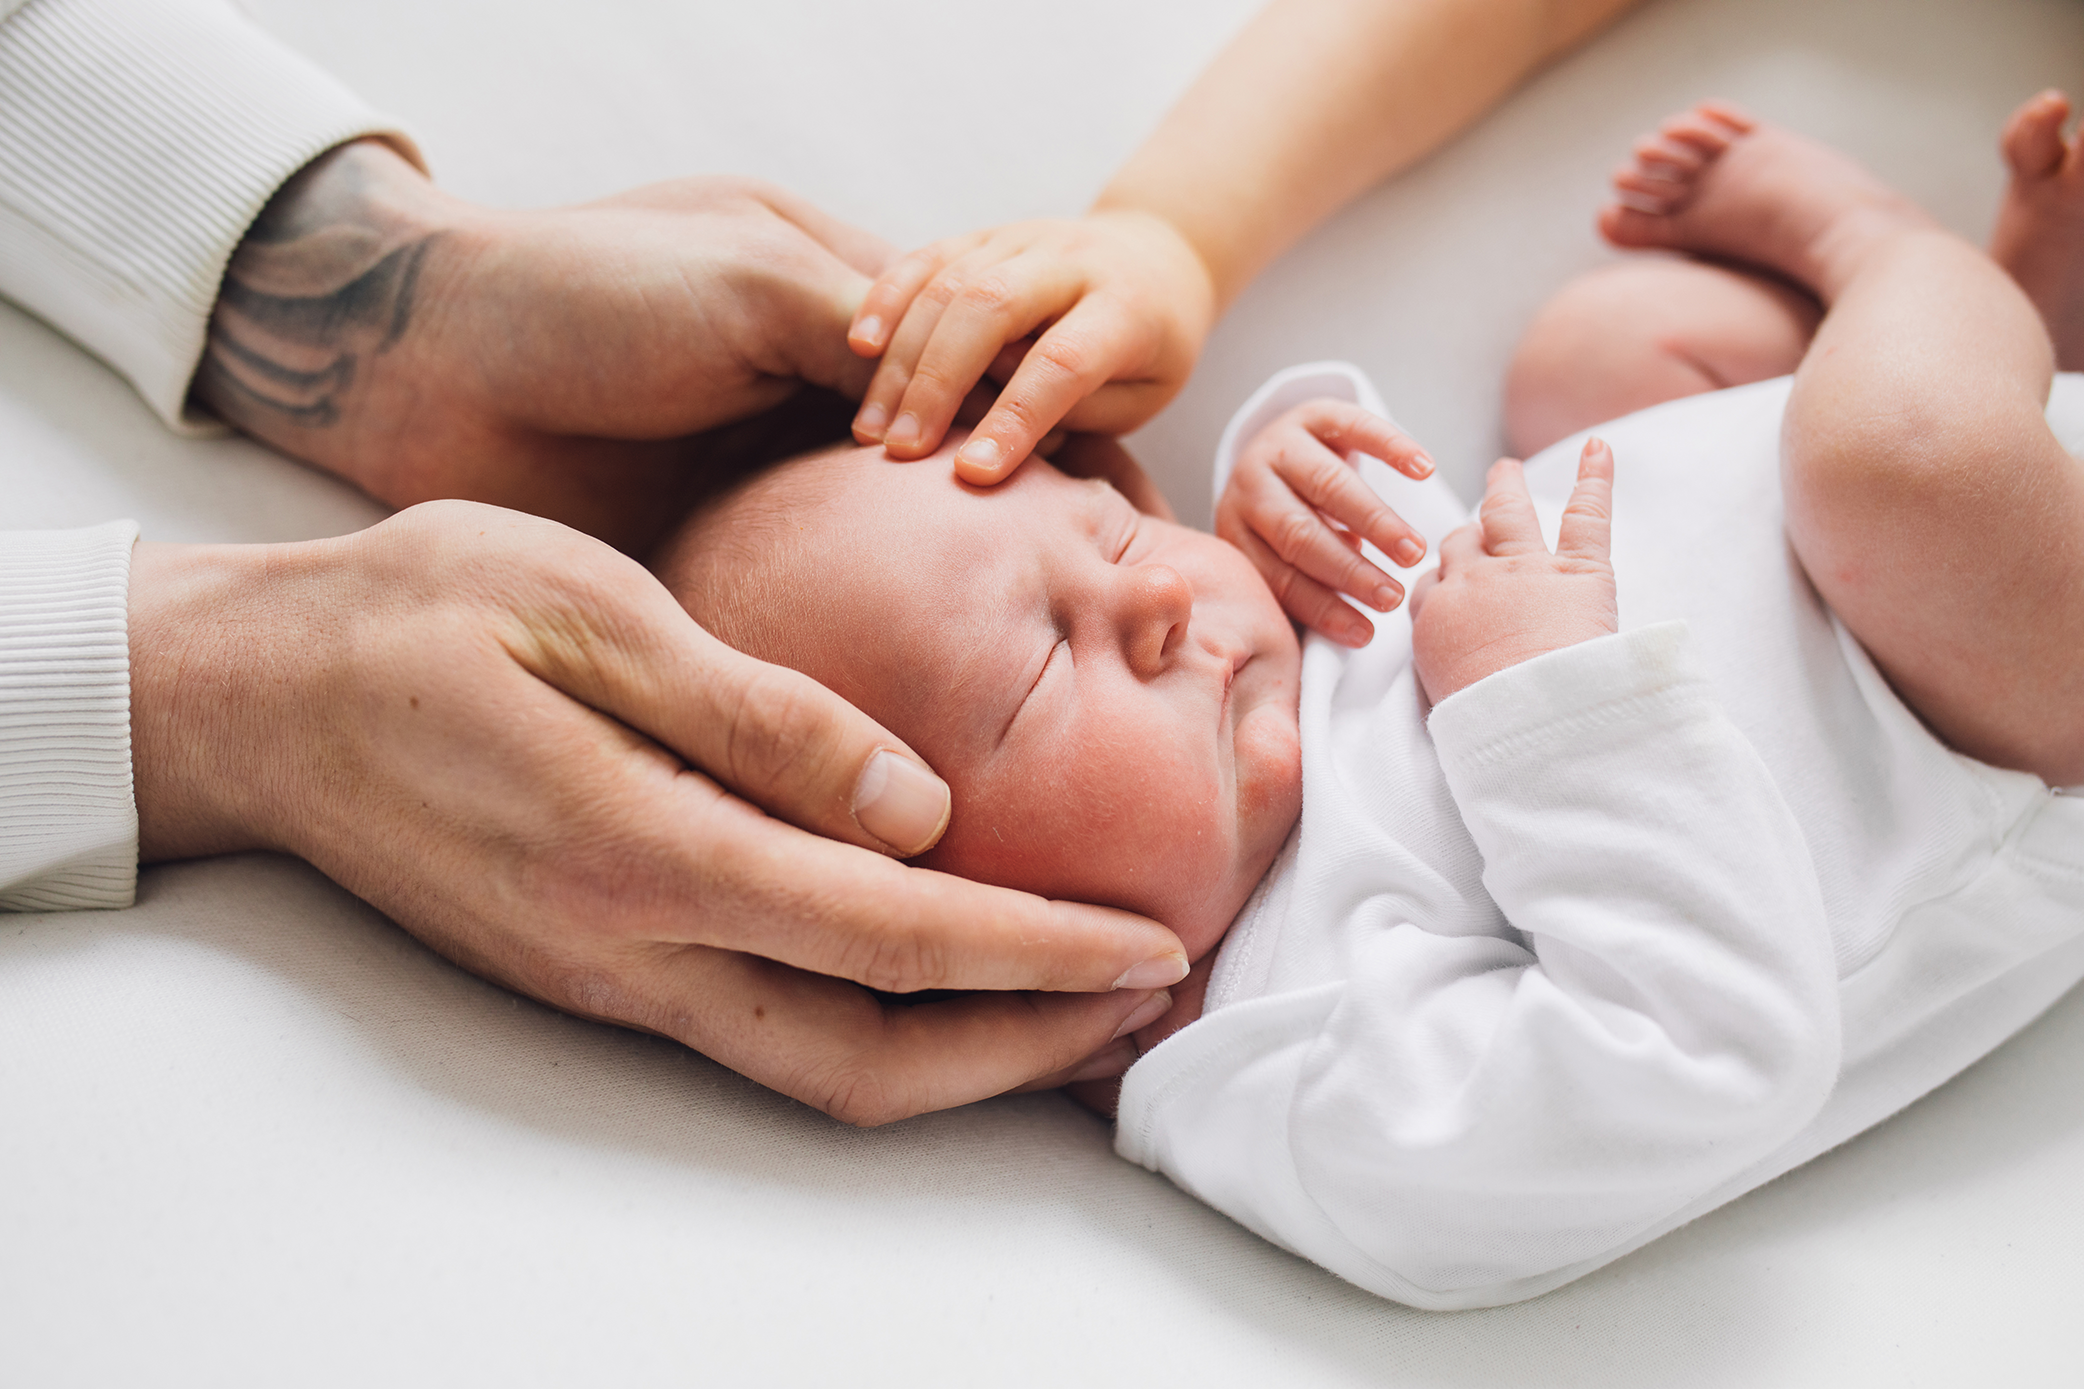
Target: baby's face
[1112,698]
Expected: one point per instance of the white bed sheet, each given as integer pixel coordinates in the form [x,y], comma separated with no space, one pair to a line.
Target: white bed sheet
[252,1133]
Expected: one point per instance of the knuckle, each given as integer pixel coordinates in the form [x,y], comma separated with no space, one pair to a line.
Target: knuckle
[853,1093]
[896,960]
[777,731]
[1292,533]
[991,295]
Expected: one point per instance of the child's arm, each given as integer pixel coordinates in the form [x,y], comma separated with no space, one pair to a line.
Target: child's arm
[1298,509]
[1095,322]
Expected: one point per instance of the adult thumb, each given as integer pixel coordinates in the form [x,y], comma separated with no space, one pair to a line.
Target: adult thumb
[772,735]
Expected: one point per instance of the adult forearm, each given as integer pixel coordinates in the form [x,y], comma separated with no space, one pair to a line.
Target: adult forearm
[1317,100]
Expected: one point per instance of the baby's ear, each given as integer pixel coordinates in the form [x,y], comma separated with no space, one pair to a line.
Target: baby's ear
[1102,456]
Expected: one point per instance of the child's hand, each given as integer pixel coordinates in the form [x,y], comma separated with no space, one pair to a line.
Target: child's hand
[1499,596]
[1121,303]
[1298,509]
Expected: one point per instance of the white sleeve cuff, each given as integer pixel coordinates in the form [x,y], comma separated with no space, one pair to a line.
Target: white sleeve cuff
[68,819]
[139,139]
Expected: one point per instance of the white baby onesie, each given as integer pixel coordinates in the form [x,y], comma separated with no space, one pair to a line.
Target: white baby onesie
[1614,935]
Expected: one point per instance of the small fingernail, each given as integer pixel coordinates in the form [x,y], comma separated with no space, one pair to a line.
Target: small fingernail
[1424,465]
[870,331]
[1147,1012]
[1354,634]
[1409,552]
[1154,973]
[1106,1065]
[1385,598]
[871,421]
[979,453]
[901,803]
[904,433]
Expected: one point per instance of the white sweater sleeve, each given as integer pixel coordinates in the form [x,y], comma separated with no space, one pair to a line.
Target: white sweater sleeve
[68,823]
[138,141]
[1465,1120]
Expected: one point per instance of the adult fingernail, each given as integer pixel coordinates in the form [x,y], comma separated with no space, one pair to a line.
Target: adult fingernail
[1409,552]
[901,803]
[1147,1012]
[871,421]
[1106,1065]
[904,433]
[870,331]
[1154,973]
[979,453]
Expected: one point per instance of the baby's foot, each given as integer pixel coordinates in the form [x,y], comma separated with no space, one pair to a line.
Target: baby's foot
[2040,228]
[1716,182]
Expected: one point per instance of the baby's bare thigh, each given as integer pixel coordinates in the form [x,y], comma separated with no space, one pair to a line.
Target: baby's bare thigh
[1962,573]
[1645,331]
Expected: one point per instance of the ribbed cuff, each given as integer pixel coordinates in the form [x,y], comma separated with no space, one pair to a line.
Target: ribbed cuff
[139,139]
[68,817]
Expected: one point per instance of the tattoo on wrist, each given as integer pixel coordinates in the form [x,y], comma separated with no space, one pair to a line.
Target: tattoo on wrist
[325,278]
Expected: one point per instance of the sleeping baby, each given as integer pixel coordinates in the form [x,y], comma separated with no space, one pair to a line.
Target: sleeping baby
[1674,831]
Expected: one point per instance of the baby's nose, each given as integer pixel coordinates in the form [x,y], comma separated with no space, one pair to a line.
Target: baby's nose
[1157,603]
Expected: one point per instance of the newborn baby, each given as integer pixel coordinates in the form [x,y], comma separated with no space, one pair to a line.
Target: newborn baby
[1546,930]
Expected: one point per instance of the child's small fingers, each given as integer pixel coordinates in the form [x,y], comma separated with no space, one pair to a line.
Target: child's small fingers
[883,307]
[876,422]
[1301,597]
[1068,362]
[1299,534]
[1330,484]
[1509,524]
[1588,519]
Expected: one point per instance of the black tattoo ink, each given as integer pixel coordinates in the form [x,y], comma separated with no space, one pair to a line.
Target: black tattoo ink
[326,276]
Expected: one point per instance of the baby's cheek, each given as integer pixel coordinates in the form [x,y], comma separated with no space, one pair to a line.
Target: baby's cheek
[1269,775]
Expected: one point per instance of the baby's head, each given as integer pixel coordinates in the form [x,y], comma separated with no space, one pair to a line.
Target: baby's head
[1110,697]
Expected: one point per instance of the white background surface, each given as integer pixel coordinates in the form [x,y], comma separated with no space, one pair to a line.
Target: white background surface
[250,1133]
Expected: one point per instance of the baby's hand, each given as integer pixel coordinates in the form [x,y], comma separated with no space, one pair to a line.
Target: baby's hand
[1499,596]
[1297,507]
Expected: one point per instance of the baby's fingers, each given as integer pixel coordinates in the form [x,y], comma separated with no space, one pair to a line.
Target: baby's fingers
[1588,519]
[1507,513]
[1298,533]
[1327,482]
[1347,428]
[1302,597]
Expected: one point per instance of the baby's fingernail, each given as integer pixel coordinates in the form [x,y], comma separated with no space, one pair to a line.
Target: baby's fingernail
[904,433]
[1154,973]
[870,331]
[979,453]
[1147,1012]
[1385,597]
[1354,633]
[1423,464]
[1410,552]
[901,803]
[871,420]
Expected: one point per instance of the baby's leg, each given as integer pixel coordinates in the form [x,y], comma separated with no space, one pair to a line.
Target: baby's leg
[1926,496]
[1629,336]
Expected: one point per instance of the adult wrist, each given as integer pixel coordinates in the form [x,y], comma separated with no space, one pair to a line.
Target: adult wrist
[210,700]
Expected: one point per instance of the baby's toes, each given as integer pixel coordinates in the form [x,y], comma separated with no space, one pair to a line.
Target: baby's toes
[1649,190]
[1636,227]
[2032,138]
[1696,131]
[1655,153]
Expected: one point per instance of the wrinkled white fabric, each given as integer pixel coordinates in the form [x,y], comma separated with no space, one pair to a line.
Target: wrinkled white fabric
[1619,933]
[138,141]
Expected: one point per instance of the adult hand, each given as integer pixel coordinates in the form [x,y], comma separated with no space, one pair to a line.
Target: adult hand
[1122,304]
[515,742]
[559,362]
